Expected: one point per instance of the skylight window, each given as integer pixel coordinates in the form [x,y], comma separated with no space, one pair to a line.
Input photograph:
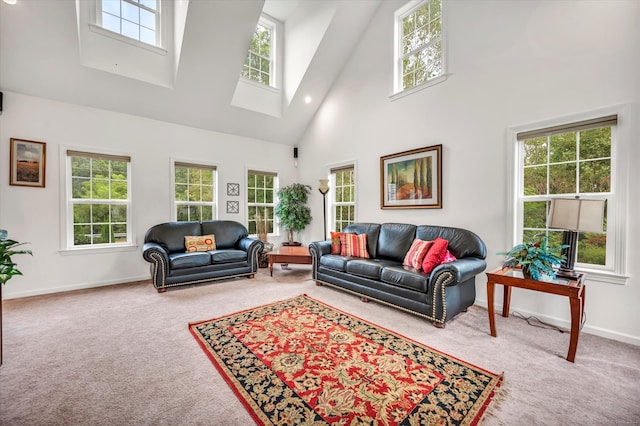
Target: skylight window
[136,19]
[259,65]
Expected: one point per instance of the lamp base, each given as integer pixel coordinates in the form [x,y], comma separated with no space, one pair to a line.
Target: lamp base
[567,273]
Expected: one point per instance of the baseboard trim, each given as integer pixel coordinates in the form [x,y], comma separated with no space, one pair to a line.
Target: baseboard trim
[566,324]
[81,286]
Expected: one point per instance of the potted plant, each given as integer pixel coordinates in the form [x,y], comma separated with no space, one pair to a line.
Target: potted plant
[7,268]
[536,258]
[292,209]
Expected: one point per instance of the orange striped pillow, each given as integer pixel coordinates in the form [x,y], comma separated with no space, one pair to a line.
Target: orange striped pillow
[353,245]
[416,253]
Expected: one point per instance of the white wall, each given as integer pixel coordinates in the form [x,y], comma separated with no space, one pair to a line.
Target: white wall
[510,63]
[33,214]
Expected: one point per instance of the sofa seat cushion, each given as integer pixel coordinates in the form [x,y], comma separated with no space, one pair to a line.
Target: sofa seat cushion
[369,268]
[336,262]
[407,277]
[226,256]
[189,260]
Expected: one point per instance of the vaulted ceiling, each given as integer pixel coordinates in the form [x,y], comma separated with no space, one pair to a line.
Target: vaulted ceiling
[40,55]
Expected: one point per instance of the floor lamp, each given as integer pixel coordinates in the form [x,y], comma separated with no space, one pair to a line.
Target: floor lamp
[574,215]
[324,188]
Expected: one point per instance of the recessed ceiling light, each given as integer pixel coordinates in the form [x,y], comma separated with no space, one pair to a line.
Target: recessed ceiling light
[10,1]
[307,100]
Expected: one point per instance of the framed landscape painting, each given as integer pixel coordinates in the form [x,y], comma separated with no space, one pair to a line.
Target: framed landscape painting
[28,161]
[412,179]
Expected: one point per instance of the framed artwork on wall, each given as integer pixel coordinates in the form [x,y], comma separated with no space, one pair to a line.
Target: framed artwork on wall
[412,179]
[233,207]
[27,163]
[233,189]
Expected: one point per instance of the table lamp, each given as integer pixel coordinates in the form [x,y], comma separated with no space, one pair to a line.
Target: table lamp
[574,215]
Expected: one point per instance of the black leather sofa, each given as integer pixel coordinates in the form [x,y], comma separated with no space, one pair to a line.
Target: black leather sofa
[438,296]
[236,255]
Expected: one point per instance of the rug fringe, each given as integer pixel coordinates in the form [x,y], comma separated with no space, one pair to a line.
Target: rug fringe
[500,393]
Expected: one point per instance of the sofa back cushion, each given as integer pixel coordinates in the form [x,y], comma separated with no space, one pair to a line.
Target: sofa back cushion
[171,235]
[395,240]
[227,232]
[462,243]
[372,230]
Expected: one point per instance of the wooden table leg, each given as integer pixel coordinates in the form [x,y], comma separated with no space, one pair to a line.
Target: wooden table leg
[506,301]
[577,310]
[492,319]
[271,265]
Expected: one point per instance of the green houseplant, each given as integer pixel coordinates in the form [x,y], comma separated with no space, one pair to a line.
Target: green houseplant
[536,257]
[7,268]
[292,209]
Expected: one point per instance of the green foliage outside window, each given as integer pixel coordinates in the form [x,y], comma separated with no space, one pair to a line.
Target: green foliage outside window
[194,193]
[260,199]
[344,200]
[422,44]
[257,65]
[99,190]
[569,164]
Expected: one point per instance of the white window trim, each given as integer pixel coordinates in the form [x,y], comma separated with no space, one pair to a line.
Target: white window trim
[397,92]
[66,207]
[331,204]
[276,187]
[618,211]
[174,211]
[160,25]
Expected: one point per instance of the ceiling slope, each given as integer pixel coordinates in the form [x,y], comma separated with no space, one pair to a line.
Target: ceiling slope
[39,56]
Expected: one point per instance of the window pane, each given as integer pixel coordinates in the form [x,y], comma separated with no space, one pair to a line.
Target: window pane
[130,12]
[535,180]
[110,22]
[111,6]
[207,213]
[118,213]
[194,193]
[148,19]
[207,177]
[207,194]
[119,233]
[130,30]
[151,4]
[562,178]
[181,174]
[118,190]
[182,213]
[535,214]
[535,151]
[81,213]
[81,235]
[100,168]
[592,248]
[147,36]
[595,176]
[80,188]
[101,234]
[562,148]
[119,170]
[595,143]
[100,213]
[181,193]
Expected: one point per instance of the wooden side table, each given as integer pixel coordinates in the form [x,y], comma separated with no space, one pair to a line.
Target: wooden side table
[574,289]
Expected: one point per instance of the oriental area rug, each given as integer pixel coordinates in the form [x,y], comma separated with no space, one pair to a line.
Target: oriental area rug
[302,362]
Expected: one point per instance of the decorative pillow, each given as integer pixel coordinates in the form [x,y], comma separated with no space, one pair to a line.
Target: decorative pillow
[354,245]
[448,257]
[416,253]
[335,241]
[435,255]
[200,243]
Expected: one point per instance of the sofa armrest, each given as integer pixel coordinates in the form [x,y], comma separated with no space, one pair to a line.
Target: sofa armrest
[151,251]
[462,269]
[252,246]
[318,249]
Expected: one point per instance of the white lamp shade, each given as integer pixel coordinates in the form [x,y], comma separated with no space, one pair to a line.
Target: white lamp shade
[324,185]
[575,214]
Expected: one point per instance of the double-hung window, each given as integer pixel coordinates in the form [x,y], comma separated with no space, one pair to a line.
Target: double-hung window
[259,65]
[98,199]
[135,19]
[419,53]
[261,194]
[344,200]
[575,159]
[194,192]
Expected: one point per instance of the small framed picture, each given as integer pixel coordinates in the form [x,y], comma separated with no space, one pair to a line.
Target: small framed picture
[412,179]
[28,161]
[233,189]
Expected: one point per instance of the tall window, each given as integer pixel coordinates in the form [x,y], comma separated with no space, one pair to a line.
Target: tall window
[194,192]
[99,203]
[419,51]
[259,64]
[566,161]
[261,192]
[344,201]
[136,19]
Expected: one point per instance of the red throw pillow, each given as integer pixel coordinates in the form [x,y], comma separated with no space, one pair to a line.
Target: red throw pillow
[416,253]
[336,246]
[435,255]
[448,257]
[354,245]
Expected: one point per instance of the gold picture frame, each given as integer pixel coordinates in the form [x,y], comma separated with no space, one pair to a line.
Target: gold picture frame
[400,172]
[27,163]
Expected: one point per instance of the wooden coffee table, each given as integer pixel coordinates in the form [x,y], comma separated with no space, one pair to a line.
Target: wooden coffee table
[289,254]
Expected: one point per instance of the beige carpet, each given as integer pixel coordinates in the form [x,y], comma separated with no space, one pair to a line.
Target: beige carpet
[123,355]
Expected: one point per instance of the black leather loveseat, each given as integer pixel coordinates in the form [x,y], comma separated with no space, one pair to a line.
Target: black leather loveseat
[438,296]
[235,254]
